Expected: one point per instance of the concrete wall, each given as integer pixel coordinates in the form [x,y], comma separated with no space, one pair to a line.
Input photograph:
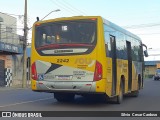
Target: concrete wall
[7,59]
[7,69]
[17,68]
[8,29]
[13,70]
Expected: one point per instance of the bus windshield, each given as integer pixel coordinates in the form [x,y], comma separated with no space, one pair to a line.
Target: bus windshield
[65,37]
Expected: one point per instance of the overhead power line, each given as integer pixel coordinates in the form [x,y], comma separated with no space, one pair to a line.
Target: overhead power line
[67,7]
[62,7]
[74,7]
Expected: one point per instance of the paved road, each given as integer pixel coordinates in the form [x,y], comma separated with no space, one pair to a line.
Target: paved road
[26,100]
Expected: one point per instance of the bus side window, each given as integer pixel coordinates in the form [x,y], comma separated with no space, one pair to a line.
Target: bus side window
[107,40]
[107,44]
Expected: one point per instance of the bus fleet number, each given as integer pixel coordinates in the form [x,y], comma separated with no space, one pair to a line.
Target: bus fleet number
[62,60]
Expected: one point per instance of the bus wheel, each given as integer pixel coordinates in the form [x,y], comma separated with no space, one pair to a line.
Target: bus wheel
[135,93]
[64,97]
[119,98]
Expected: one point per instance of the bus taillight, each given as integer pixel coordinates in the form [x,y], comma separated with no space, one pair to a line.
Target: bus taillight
[98,71]
[34,71]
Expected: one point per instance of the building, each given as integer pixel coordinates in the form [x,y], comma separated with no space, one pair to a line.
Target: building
[150,68]
[10,51]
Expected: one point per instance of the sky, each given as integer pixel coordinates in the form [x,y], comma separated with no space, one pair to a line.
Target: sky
[141,17]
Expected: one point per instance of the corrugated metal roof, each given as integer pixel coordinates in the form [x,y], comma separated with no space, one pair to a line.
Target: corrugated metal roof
[151,63]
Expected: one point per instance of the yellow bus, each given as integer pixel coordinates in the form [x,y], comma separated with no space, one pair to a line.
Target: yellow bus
[85,55]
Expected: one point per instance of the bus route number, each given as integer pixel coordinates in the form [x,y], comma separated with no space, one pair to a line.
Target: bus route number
[62,60]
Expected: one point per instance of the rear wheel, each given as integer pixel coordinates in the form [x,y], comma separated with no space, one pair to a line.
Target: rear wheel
[119,98]
[64,97]
[135,93]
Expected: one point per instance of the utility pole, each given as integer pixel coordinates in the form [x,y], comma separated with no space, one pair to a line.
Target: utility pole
[24,78]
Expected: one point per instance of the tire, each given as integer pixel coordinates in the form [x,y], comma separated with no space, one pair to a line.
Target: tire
[135,93]
[119,98]
[64,97]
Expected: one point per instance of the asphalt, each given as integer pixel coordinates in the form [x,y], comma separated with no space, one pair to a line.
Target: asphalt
[11,88]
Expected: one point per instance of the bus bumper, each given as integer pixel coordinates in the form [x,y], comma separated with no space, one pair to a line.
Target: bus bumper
[67,86]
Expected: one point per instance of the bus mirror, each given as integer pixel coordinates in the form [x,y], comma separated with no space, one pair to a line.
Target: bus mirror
[146,53]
